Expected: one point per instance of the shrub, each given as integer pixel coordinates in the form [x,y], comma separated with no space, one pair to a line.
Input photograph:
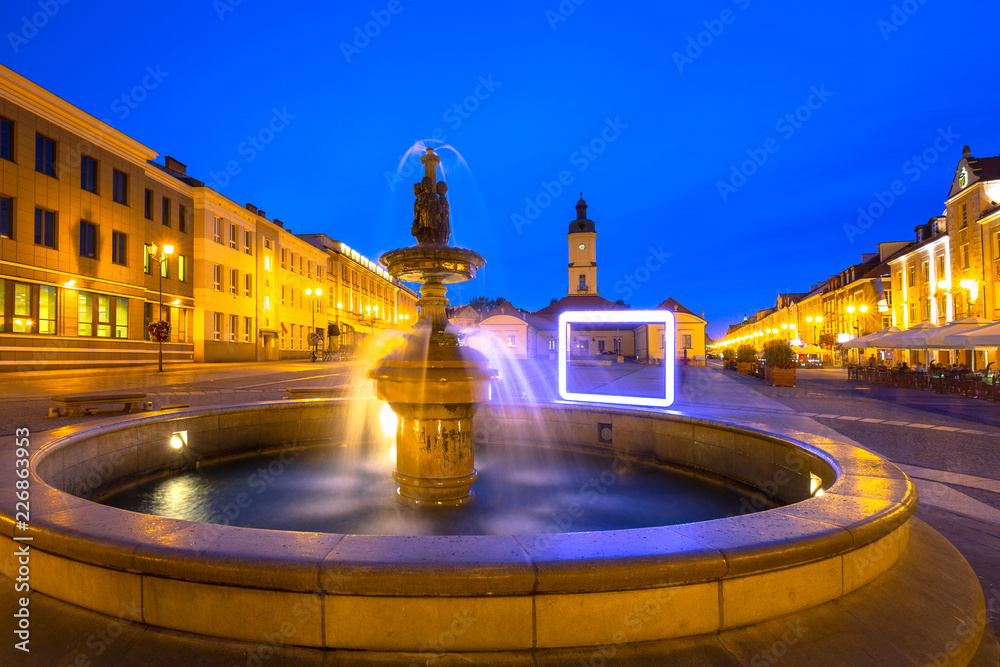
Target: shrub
[728,353]
[778,353]
[746,353]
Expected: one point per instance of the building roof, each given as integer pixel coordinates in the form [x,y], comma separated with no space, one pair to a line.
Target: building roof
[677,307]
[577,302]
[506,308]
[465,312]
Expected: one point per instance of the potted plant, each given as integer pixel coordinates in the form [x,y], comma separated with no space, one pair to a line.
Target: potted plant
[745,358]
[780,363]
[729,359]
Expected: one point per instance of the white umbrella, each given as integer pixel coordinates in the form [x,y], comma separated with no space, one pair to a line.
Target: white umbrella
[987,336]
[872,338]
[910,339]
[954,334]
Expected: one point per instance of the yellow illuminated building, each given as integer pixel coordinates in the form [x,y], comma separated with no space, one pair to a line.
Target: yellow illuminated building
[85,214]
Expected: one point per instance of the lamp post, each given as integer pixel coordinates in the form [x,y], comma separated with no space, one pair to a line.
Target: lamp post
[313,293]
[159,255]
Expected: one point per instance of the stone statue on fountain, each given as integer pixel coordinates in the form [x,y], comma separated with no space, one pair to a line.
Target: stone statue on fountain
[431,212]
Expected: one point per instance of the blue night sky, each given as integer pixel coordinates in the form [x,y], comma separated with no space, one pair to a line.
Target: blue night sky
[618,95]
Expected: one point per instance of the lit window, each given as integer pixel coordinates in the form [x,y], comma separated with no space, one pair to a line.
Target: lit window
[181,268]
[121,317]
[46,309]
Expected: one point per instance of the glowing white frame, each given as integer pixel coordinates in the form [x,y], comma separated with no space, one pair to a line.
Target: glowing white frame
[664,317]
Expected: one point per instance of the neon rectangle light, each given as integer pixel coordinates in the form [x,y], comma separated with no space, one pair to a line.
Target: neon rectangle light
[634,317]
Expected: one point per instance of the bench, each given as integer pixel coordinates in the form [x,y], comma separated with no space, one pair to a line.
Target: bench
[317,392]
[69,406]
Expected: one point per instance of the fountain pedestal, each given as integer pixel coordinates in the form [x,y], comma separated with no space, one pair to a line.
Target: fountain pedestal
[433,384]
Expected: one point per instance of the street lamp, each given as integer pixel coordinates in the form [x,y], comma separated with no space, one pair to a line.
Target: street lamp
[159,255]
[313,293]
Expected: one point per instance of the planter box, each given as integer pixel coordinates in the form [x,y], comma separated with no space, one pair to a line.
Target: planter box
[782,377]
[744,367]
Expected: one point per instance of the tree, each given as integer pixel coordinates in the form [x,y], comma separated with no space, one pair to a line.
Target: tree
[621,302]
[552,300]
[484,305]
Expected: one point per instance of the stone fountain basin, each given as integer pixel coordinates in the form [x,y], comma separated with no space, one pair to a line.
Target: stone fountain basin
[484,593]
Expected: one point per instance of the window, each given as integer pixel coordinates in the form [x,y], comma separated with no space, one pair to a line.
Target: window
[319,272]
[88,239]
[965,216]
[45,155]
[46,309]
[30,305]
[927,310]
[100,315]
[218,230]
[911,276]
[119,190]
[6,139]
[925,271]
[267,262]
[913,313]
[181,268]
[267,244]
[218,277]
[165,267]
[940,267]
[45,228]
[282,295]
[182,218]
[147,205]
[121,317]
[166,212]
[343,272]
[147,319]
[248,284]
[234,239]
[301,264]
[248,242]
[996,239]
[22,308]
[7,217]
[119,245]
[965,255]
[899,280]
[282,258]
[234,281]
[145,258]
[88,173]
[234,323]
[512,340]
[247,329]
[685,342]
[583,282]
[217,334]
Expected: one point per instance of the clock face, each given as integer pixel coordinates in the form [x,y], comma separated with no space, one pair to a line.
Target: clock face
[582,246]
[963,178]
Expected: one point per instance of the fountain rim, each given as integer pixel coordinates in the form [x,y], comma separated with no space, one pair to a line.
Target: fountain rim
[80,529]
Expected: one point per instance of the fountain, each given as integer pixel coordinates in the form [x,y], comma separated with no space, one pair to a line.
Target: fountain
[824,541]
[432,384]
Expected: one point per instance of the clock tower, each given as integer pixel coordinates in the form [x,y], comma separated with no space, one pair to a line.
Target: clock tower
[582,240]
